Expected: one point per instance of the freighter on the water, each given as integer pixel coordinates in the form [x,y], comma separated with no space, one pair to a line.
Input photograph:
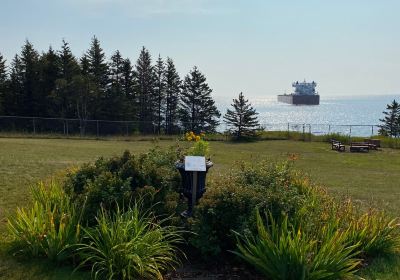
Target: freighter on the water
[304,94]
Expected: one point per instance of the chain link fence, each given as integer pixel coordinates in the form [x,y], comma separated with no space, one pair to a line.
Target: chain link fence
[104,128]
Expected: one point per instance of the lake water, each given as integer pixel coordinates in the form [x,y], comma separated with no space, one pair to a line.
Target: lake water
[356,115]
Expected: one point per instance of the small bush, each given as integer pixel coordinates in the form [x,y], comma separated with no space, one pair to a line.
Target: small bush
[129,245]
[230,202]
[282,252]
[49,228]
[120,180]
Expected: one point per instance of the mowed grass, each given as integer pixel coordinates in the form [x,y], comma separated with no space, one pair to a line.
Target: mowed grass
[372,179]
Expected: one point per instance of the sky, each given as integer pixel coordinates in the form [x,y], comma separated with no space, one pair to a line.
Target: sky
[259,47]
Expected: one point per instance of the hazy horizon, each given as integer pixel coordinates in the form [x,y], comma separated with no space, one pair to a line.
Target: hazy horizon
[257,47]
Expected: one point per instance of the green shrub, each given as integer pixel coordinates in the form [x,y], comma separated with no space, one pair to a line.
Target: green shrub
[284,252]
[120,180]
[49,228]
[230,202]
[129,245]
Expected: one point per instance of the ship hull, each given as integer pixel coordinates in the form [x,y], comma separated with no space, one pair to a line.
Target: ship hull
[299,99]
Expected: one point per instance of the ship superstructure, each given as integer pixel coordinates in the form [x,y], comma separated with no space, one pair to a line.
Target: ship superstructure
[304,94]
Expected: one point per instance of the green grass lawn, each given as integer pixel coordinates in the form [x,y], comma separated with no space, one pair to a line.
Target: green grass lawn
[372,178]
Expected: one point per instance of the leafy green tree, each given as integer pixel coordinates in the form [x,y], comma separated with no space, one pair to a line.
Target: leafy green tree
[198,111]
[3,83]
[242,120]
[391,120]
[144,74]
[172,96]
[159,91]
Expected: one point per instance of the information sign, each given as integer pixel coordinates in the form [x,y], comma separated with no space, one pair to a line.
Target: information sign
[195,163]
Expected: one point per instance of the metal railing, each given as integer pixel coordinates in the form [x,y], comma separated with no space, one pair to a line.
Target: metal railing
[99,128]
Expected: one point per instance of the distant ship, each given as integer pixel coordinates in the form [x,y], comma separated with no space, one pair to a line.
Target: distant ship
[304,94]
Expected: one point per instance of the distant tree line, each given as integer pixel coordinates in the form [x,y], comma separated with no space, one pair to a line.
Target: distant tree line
[58,84]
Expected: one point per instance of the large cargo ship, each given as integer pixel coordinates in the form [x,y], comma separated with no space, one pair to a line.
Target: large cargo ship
[304,94]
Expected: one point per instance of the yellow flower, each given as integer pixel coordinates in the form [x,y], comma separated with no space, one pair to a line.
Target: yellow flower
[189,138]
[197,138]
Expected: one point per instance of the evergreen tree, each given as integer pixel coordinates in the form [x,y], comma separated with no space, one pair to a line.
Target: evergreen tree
[98,74]
[145,90]
[3,83]
[172,97]
[116,98]
[128,90]
[242,119]
[83,98]
[14,96]
[32,100]
[63,92]
[49,74]
[391,120]
[159,91]
[198,111]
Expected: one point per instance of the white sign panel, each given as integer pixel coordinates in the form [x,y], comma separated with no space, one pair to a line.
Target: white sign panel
[195,163]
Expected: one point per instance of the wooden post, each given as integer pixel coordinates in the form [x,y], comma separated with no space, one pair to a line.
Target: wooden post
[66,122]
[97,126]
[194,190]
[288,129]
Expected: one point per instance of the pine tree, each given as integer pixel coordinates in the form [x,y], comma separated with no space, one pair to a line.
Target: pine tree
[63,92]
[49,74]
[172,97]
[14,96]
[242,119]
[115,99]
[391,120]
[32,100]
[145,89]
[3,83]
[198,111]
[159,91]
[98,74]
[128,90]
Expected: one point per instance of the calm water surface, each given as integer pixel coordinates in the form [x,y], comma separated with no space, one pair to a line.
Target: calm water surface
[334,114]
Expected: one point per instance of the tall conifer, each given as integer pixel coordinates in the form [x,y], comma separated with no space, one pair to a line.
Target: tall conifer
[391,120]
[145,89]
[242,120]
[172,97]
[198,111]
[159,91]
[3,82]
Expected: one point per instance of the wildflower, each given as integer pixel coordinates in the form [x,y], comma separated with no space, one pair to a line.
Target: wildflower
[197,138]
[189,138]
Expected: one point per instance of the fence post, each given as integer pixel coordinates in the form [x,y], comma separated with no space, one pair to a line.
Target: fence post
[304,133]
[66,124]
[329,129]
[350,132]
[34,126]
[309,131]
[97,128]
[372,130]
[127,128]
[288,130]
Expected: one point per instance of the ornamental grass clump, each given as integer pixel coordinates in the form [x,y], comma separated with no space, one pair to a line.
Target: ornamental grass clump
[130,244]
[49,228]
[283,252]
